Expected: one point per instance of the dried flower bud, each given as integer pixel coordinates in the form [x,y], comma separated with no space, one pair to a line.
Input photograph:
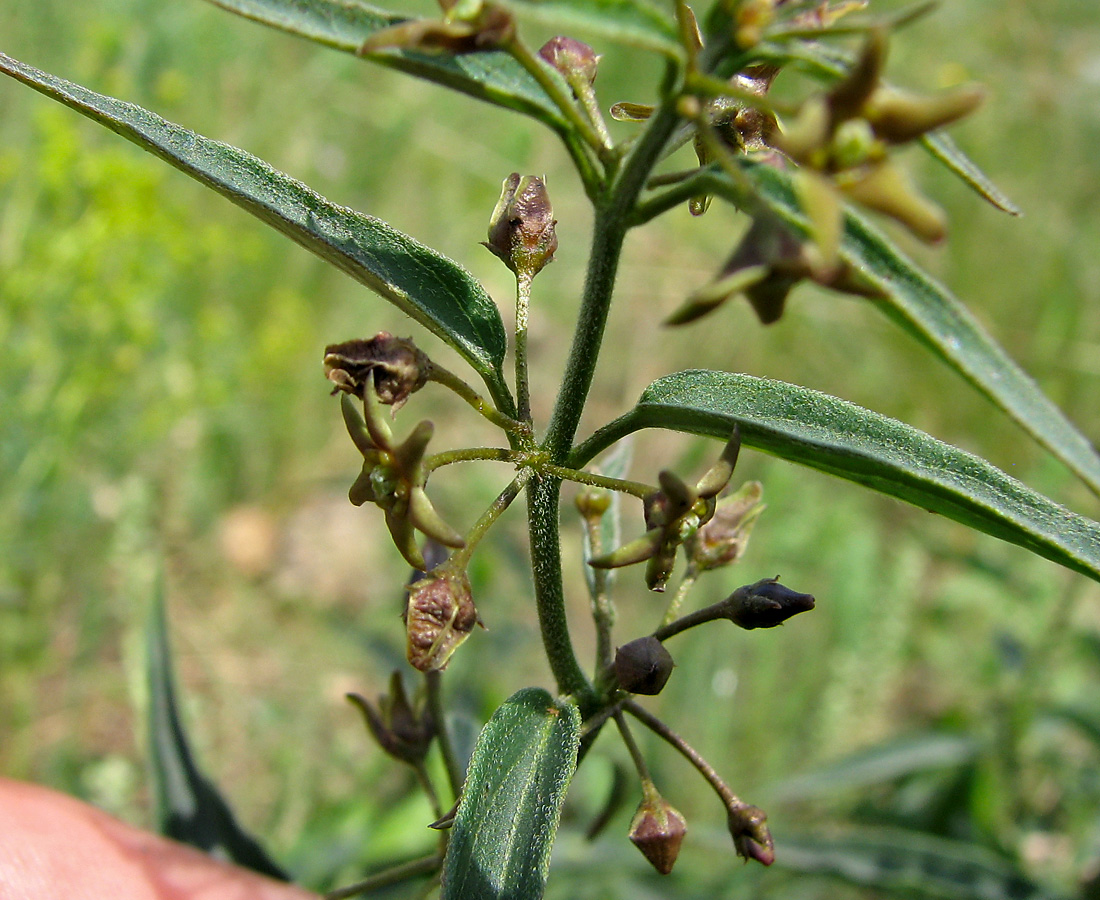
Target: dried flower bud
[722,540]
[658,830]
[466,28]
[751,836]
[400,730]
[398,368]
[643,666]
[765,604]
[573,58]
[521,230]
[439,616]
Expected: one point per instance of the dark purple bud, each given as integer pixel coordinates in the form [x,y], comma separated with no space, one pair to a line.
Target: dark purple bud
[400,730]
[643,666]
[573,58]
[765,604]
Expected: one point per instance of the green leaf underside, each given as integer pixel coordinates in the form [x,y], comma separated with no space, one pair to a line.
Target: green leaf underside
[424,284]
[492,76]
[933,315]
[637,23]
[190,808]
[504,829]
[911,865]
[840,438]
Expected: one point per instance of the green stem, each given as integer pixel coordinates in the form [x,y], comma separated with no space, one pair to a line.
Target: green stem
[603,610]
[541,73]
[443,733]
[471,454]
[425,865]
[448,379]
[686,584]
[603,438]
[632,748]
[523,384]
[621,485]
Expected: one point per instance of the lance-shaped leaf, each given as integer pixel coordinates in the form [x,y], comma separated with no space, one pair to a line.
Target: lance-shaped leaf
[430,288]
[190,809]
[933,315]
[493,76]
[843,439]
[637,23]
[911,865]
[505,825]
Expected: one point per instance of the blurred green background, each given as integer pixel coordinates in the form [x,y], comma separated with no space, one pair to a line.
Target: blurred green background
[162,407]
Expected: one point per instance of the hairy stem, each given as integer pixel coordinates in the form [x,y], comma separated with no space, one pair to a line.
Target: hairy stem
[523,383]
[425,865]
[448,379]
[443,734]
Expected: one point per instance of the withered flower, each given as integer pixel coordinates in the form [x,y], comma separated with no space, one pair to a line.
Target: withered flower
[521,229]
[672,515]
[439,615]
[393,476]
[466,27]
[658,830]
[403,731]
[722,540]
[397,367]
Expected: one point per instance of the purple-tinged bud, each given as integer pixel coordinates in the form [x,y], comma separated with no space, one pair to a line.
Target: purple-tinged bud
[643,666]
[398,368]
[765,604]
[439,616]
[751,836]
[573,58]
[658,830]
[521,230]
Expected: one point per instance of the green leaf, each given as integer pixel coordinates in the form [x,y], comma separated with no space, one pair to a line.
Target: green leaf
[885,762]
[834,436]
[633,22]
[912,865]
[504,829]
[941,145]
[430,288]
[935,317]
[492,76]
[190,808]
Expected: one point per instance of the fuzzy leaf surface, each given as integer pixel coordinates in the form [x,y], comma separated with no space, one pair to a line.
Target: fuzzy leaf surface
[492,76]
[840,438]
[637,23]
[427,286]
[505,826]
[936,318]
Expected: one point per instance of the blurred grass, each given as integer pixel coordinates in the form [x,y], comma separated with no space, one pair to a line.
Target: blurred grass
[161,401]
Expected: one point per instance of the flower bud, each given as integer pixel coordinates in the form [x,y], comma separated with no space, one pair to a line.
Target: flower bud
[643,666]
[439,616]
[592,502]
[751,836]
[765,604]
[400,731]
[573,58]
[658,830]
[467,27]
[900,117]
[398,368]
[521,230]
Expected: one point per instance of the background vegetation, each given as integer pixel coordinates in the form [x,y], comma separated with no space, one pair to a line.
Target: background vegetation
[162,403]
